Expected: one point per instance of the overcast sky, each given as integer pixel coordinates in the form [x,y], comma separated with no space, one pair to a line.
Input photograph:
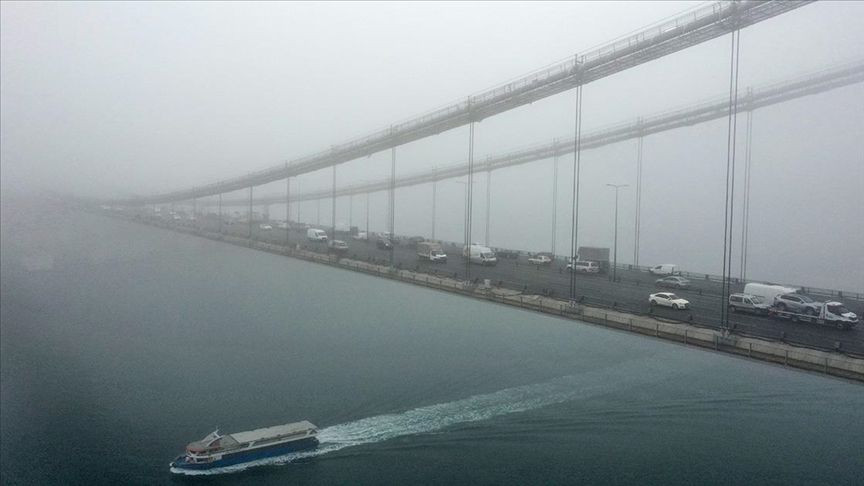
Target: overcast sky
[112,99]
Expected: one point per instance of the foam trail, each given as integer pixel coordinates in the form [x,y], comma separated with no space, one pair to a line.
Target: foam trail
[472,409]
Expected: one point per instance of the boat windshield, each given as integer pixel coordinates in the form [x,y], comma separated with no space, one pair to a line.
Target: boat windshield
[213,441]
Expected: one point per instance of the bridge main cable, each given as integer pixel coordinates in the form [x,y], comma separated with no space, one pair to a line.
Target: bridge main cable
[766,95]
[683,31]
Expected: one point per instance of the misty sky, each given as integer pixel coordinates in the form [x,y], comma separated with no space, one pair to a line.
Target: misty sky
[114,99]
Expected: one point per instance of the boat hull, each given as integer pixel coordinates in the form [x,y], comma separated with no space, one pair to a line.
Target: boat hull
[240,457]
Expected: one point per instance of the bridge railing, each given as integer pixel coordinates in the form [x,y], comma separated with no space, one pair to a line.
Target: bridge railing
[811,338]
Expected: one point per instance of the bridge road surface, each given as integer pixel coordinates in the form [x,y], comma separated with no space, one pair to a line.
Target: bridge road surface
[630,293]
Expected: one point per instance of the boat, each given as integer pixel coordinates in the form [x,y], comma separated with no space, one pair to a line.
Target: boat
[217,450]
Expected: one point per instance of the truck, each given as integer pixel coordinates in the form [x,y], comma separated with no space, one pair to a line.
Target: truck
[767,292]
[829,313]
[432,251]
[594,254]
[664,269]
[479,254]
[509,254]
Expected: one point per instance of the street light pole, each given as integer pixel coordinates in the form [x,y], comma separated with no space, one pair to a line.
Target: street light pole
[615,248]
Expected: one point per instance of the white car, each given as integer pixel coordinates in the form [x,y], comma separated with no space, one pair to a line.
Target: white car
[338,246]
[265,227]
[360,236]
[540,260]
[668,299]
[282,225]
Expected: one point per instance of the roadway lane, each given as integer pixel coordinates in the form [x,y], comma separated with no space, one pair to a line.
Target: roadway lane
[630,293]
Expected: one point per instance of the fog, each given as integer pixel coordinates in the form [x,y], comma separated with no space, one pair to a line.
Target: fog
[117,99]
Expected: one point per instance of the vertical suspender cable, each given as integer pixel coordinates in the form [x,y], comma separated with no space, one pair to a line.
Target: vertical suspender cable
[574,221]
[287,206]
[745,218]
[638,224]
[730,177]
[333,205]
[250,212]
[392,222]
[488,200]
[469,186]
[554,196]
[434,201]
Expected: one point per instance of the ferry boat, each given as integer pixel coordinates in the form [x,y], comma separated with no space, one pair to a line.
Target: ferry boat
[217,450]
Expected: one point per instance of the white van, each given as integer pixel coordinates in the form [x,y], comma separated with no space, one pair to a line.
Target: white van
[313,234]
[767,292]
[581,266]
[664,269]
[480,254]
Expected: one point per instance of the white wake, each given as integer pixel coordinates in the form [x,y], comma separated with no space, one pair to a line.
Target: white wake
[472,409]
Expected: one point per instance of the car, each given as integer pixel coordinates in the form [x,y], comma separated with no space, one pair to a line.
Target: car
[414,240]
[673,282]
[265,226]
[748,303]
[384,244]
[338,246]
[540,260]
[282,225]
[798,303]
[667,299]
[581,266]
[360,236]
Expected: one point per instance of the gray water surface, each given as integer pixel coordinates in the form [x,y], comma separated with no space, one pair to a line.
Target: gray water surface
[121,343]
